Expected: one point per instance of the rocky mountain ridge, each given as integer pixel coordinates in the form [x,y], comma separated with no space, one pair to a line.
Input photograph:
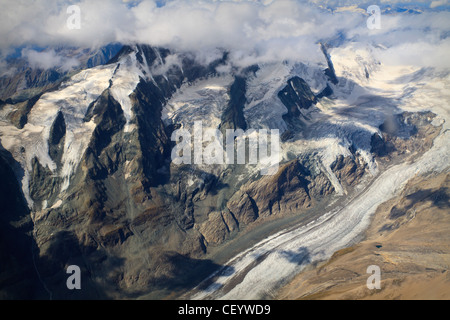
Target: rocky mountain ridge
[95,185]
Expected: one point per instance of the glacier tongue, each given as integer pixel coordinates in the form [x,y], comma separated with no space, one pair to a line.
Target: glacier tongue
[124,82]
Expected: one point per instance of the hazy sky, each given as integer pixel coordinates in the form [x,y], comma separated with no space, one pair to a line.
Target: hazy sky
[253,31]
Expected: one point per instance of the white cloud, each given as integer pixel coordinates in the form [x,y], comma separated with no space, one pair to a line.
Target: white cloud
[48,59]
[170,61]
[252,31]
[435,4]
[419,54]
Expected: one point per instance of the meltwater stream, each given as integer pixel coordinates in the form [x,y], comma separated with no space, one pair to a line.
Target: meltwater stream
[255,272]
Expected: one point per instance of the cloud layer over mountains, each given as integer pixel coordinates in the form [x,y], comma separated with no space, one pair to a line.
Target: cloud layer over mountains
[252,31]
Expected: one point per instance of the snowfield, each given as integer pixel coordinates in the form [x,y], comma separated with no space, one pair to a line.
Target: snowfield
[72,99]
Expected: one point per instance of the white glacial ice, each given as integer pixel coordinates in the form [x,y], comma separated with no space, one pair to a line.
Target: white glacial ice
[72,99]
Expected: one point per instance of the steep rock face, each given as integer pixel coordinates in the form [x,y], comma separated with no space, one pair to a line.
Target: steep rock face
[292,189]
[233,116]
[100,160]
[326,92]
[19,116]
[348,170]
[43,184]
[218,227]
[379,146]
[56,138]
[329,72]
[153,139]
[243,207]
[296,95]
[18,279]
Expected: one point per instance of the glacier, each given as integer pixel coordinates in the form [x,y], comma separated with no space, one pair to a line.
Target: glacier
[275,260]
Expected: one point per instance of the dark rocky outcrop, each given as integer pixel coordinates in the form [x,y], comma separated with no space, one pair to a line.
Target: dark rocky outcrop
[110,120]
[218,227]
[44,185]
[291,190]
[233,115]
[379,146]
[18,279]
[56,138]
[19,116]
[154,142]
[243,207]
[296,95]
[348,170]
[329,72]
[326,92]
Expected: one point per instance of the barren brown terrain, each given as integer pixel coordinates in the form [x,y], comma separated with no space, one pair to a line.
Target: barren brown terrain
[409,239]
